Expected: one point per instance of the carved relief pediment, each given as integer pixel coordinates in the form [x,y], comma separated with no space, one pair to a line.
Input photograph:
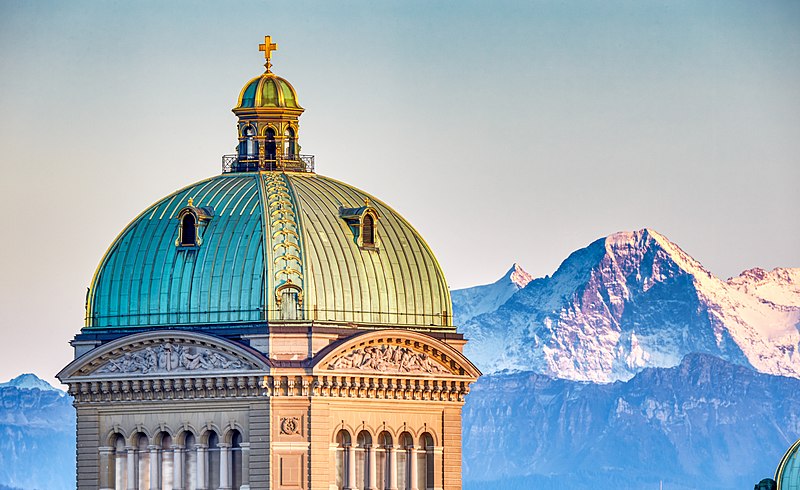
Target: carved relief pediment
[389,359]
[169,357]
[165,353]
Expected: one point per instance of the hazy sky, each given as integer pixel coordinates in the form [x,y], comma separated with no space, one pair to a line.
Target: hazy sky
[504,131]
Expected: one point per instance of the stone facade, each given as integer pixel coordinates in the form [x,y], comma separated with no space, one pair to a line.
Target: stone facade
[169,409]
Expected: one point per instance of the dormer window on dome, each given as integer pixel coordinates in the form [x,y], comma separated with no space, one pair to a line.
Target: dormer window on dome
[191,221]
[268,126]
[188,230]
[368,230]
[363,222]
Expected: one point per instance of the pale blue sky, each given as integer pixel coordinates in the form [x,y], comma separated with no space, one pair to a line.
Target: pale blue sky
[504,131]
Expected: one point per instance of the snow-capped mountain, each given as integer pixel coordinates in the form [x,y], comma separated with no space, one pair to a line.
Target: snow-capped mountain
[779,286]
[30,381]
[474,301]
[629,301]
[37,449]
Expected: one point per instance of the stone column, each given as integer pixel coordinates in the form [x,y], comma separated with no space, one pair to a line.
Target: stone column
[245,466]
[224,466]
[131,469]
[392,468]
[412,454]
[201,466]
[105,467]
[177,467]
[154,466]
[372,469]
[351,468]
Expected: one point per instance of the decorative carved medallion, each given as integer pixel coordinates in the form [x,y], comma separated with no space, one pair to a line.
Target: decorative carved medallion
[388,359]
[170,357]
[290,425]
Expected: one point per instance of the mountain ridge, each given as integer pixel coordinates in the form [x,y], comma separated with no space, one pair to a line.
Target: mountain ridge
[689,426]
[30,381]
[629,301]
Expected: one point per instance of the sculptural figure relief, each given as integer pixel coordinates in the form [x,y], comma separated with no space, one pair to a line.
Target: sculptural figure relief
[388,359]
[169,357]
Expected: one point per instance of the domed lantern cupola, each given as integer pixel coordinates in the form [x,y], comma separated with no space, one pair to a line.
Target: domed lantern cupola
[268,126]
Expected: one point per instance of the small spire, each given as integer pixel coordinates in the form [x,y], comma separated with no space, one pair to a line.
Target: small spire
[190,203]
[268,47]
[366,202]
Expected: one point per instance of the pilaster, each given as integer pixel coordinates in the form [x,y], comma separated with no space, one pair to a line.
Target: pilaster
[259,445]
[87,441]
[451,435]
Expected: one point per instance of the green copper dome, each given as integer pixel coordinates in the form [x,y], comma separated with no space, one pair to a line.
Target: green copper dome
[268,91]
[268,246]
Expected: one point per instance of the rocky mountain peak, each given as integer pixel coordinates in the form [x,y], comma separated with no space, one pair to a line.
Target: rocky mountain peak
[780,286]
[29,381]
[627,302]
[519,276]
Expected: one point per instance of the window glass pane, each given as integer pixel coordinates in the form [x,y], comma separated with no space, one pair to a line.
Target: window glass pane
[249,97]
[288,95]
[269,95]
[339,468]
[188,231]
[402,469]
[380,469]
[360,467]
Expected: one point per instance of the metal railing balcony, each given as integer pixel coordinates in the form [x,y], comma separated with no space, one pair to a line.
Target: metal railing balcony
[252,163]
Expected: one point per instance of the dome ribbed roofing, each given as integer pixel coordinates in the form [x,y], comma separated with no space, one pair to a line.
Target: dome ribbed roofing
[267,229]
[270,91]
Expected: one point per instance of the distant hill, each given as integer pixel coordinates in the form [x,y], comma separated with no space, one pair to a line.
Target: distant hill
[29,381]
[37,448]
[706,423]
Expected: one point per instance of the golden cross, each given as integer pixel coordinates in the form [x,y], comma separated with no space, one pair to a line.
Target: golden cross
[268,47]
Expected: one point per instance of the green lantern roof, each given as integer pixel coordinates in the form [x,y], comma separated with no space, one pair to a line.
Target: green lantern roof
[268,91]
[228,250]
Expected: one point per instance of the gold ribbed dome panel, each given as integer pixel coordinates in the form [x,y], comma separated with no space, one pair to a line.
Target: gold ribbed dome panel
[399,282]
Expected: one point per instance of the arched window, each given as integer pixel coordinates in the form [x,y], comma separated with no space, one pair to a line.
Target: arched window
[341,458]
[212,461]
[188,230]
[382,460]
[167,461]
[270,149]
[363,443]
[291,144]
[249,148]
[404,461]
[368,231]
[425,463]
[289,296]
[142,461]
[190,462]
[120,463]
[236,459]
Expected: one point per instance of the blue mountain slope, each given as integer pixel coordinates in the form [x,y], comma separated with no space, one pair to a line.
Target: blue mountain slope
[705,423]
[37,442]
